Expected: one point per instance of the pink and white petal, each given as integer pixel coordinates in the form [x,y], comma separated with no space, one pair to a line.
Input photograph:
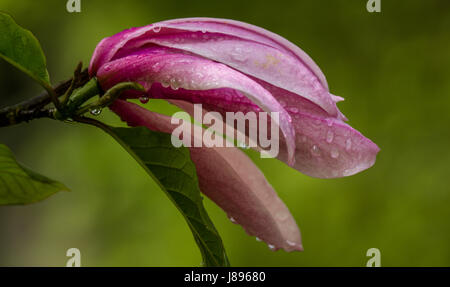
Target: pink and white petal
[108,47]
[230,179]
[277,68]
[247,48]
[329,148]
[325,147]
[193,73]
[249,32]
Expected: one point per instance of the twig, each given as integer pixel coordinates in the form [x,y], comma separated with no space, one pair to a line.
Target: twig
[33,108]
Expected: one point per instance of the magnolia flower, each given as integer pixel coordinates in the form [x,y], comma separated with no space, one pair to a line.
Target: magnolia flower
[230,66]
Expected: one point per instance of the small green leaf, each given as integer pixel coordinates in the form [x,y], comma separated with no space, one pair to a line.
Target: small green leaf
[174,171]
[20,48]
[19,185]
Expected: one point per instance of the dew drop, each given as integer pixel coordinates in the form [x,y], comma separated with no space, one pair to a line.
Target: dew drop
[258,239]
[232,220]
[315,150]
[290,243]
[96,112]
[174,83]
[156,29]
[155,67]
[348,144]
[330,136]
[271,247]
[144,99]
[334,153]
[238,55]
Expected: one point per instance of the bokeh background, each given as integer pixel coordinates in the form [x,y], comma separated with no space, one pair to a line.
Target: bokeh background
[392,67]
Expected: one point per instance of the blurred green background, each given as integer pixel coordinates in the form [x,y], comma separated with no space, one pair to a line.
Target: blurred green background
[392,67]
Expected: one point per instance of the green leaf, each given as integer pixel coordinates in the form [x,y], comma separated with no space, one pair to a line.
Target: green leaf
[175,173]
[20,48]
[19,185]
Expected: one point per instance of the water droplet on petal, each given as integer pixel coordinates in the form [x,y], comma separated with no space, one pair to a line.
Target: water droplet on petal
[258,239]
[330,136]
[238,55]
[334,153]
[96,112]
[290,243]
[144,99]
[175,83]
[271,247]
[315,150]
[348,144]
[232,220]
[156,29]
[155,67]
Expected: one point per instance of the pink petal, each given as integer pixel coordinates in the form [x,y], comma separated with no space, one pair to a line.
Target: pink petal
[108,46]
[247,48]
[250,32]
[192,73]
[230,179]
[329,148]
[325,147]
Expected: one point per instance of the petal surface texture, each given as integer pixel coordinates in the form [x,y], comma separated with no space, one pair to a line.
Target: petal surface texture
[244,47]
[325,147]
[231,66]
[190,73]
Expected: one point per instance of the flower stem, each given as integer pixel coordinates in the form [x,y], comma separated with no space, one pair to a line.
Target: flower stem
[79,97]
[110,96]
